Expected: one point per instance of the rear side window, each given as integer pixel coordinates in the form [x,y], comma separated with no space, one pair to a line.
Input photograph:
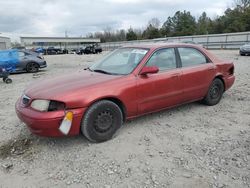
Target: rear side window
[191,57]
[164,59]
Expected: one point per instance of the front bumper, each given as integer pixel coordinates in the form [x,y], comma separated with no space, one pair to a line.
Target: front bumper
[244,52]
[43,64]
[48,123]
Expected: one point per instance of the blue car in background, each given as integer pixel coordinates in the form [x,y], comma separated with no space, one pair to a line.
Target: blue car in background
[40,50]
[21,61]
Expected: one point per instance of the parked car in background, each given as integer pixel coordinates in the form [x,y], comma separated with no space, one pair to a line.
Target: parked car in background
[130,82]
[22,61]
[91,49]
[65,51]
[40,50]
[53,51]
[98,49]
[79,51]
[72,51]
[30,61]
[245,49]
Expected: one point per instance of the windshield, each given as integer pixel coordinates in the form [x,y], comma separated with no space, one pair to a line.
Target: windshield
[121,62]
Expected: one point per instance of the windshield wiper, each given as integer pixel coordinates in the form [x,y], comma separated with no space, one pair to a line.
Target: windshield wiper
[88,69]
[101,71]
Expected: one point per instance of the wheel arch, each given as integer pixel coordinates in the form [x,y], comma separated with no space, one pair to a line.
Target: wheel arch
[32,61]
[115,100]
[29,62]
[221,78]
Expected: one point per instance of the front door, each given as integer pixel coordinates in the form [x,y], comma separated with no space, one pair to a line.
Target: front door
[163,89]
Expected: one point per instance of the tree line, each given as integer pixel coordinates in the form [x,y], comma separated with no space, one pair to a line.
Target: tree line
[183,23]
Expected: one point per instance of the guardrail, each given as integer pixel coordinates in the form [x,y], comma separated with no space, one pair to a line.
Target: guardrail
[213,41]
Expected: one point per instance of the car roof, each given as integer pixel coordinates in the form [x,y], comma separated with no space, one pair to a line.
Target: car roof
[162,45]
[158,45]
[28,51]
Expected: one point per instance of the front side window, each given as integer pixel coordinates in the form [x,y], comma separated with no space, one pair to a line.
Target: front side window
[121,62]
[164,59]
[191,57]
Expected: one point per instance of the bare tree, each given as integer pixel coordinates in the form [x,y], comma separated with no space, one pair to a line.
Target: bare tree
[244,4]
[154,22]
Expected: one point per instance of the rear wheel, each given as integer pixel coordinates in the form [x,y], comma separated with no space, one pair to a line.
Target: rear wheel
[215,92]
[101,121]
[32,67]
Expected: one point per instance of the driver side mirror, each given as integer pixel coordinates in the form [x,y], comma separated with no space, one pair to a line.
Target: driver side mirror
[149,70]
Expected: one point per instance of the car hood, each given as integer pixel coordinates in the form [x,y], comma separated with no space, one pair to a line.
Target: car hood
[246,46]
[60,87]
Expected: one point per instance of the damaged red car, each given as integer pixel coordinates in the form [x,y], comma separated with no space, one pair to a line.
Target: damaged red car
[127,83]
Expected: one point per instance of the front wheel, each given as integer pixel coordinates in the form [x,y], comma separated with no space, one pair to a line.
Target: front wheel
[32,67]
[101,121]
[215,92]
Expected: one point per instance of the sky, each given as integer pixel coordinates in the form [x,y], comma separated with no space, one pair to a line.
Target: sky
[80,17]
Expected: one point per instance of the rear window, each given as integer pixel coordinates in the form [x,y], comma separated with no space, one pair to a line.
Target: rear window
[191,57]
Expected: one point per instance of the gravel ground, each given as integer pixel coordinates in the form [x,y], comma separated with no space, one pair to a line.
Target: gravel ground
[189,146]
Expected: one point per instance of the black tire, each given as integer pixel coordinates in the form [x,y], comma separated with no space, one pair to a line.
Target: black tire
[8,81]
[32,67]
[101,121]
[214,93]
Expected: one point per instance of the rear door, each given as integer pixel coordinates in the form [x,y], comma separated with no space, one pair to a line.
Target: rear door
[163,89]
[22,61]
[197,73]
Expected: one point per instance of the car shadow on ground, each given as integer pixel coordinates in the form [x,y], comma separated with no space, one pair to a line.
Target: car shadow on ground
[163,114]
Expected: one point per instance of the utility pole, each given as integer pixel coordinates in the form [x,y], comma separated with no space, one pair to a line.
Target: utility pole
[66,36]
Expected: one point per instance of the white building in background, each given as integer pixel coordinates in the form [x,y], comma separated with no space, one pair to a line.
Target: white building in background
[59,42]
[5,43]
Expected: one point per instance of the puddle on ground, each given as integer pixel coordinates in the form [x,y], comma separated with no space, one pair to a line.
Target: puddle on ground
[16,147]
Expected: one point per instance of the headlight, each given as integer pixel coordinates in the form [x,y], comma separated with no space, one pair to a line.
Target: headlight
[40,105]
[47,105]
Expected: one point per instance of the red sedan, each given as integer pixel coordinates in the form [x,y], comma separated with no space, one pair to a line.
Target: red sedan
[129,82]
